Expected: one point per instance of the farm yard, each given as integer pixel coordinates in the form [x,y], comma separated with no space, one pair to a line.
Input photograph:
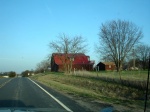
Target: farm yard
[89,54]
[104,87]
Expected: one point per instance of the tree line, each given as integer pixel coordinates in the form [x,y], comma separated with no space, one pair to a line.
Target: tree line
[117,40]
[9,74]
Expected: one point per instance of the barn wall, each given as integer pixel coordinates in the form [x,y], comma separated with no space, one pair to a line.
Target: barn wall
[101,66]
[109,67]
[78,67]
[87,67]
[80,62]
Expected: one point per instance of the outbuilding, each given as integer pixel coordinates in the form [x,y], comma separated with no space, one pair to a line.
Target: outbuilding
[107,66]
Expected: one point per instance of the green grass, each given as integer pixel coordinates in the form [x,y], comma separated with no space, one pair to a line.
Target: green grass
[127,75]
[90,86]
[136,79]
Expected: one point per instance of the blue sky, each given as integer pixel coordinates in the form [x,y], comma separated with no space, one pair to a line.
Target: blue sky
[27,26]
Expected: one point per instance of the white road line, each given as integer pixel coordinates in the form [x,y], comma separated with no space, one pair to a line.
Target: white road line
[3,84]
[59,102]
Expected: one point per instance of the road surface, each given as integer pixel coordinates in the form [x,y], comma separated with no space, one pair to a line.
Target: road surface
[25,93]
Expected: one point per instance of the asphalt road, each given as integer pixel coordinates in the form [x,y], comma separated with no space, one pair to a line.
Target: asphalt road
[25,93]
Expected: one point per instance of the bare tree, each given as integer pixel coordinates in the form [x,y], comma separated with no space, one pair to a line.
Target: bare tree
[42,66]
[107,58]
[116,39]
[78,44]
[67,45]
[142,53]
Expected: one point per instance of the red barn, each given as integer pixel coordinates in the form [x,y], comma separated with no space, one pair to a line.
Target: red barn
[77,61]
[108,66]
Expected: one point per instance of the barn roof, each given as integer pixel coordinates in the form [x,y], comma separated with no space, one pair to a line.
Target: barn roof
[78,58]
[107,63]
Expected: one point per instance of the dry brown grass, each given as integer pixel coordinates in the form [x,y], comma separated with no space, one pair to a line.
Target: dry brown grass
[135,79]
[125,75]
[103,87]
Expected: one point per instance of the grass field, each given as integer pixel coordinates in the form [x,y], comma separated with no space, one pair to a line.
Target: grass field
[102,86]
[127,75]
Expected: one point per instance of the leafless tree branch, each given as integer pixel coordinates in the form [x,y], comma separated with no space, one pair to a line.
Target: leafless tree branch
[117,38]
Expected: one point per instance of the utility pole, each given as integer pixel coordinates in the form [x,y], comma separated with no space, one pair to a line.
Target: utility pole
[147,86]
[133,59]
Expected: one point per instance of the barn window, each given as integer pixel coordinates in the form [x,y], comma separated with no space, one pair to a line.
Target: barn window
[88,58]
[72,59]
[109,66]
